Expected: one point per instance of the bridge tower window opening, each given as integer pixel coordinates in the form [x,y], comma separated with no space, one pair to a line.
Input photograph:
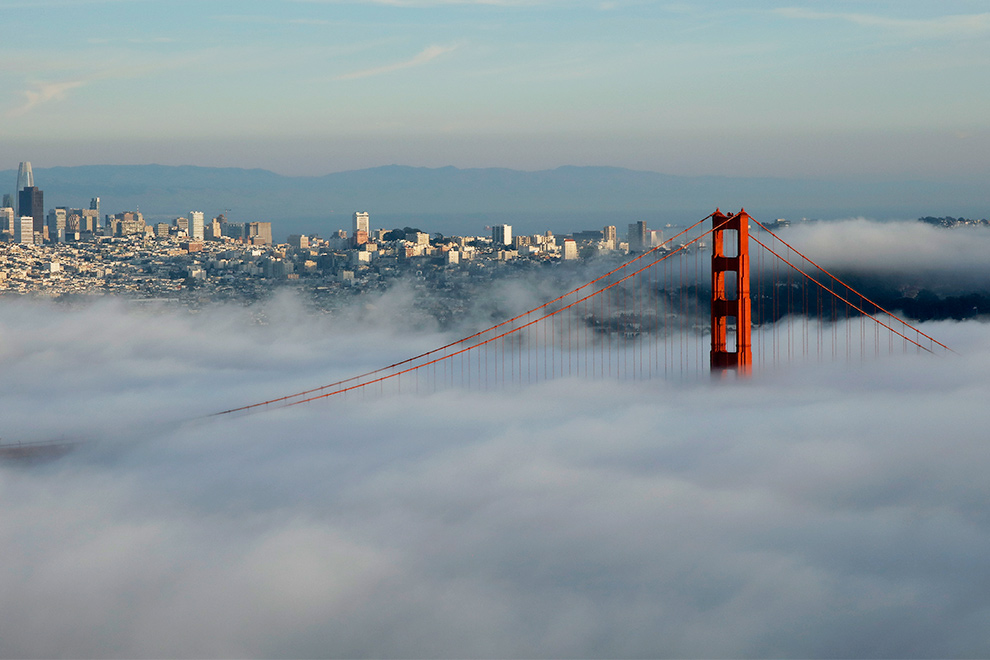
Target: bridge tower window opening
[730,285]
[731,334]
[730,242]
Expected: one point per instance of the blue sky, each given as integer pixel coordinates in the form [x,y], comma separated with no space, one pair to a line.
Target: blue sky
[890,89]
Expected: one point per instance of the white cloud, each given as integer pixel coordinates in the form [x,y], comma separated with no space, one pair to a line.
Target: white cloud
[426,55]
[910,249]
[962,25]
[41,93]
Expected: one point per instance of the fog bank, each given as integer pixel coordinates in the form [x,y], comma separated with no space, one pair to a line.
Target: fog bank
[828,510]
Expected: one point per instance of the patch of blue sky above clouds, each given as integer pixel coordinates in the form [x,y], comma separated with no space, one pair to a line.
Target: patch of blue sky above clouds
[311,86]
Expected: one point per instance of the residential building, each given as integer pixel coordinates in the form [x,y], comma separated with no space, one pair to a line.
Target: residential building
[24,230]
[362,222]
[195,226]
[502,235]
[570,250]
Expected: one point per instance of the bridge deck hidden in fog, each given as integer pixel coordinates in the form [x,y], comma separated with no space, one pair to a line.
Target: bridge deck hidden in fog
[670,312]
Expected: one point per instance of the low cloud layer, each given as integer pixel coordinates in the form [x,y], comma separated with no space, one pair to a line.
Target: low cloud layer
[911,251]
[833,510]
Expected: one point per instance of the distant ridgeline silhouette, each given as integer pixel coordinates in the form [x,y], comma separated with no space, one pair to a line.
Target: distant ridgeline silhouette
[261,195]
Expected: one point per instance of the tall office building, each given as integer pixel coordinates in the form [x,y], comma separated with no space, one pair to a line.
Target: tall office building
[94,205]
[610,237]
[24,230]
[570,250]
[502,235]
[8,201]
[57,221]
[195,227]
[7,219]
[637,238]
[25,176]
[214,230]
[232,230]
[361,221]
[89,220]
[25,179]
[258,233]
[31,202]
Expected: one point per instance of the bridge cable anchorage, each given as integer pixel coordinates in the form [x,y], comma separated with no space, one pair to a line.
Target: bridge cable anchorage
[285,401]
[837,280]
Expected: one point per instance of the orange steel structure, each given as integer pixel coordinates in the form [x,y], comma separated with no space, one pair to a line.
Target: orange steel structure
[730,262]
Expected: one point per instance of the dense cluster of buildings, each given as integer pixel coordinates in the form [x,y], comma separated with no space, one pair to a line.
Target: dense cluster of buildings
[75,251]
[23,220]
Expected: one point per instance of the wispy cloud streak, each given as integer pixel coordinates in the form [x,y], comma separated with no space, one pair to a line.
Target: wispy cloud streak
[42,93]
[960,25]
[428,54]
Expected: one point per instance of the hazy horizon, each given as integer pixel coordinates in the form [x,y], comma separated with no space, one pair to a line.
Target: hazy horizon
[709,87]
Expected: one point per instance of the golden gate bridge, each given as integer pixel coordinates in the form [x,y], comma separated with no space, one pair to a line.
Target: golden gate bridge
[669,312]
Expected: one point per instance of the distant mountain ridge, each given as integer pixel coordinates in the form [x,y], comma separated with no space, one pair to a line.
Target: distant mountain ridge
[162,191]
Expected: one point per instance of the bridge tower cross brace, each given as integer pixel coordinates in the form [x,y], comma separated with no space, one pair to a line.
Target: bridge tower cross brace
[730,265]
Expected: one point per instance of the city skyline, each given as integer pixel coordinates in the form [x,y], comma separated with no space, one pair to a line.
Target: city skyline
[877,89]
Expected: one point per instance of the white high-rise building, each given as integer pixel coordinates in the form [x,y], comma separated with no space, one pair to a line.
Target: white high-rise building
[362,222]
[502,235]
[25,179]
[570,249]
[24,230]
[195,230]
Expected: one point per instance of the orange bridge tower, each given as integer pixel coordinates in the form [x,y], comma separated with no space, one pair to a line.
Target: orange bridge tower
[731,323]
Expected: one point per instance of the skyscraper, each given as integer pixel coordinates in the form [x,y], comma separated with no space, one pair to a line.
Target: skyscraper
[7,219]
[610,237]
[637,236]
[57,221]
[195,227]
[25,179]
[24,230]
[258,233]
[94,205]
[362,221]
[31,202]
[502,235]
